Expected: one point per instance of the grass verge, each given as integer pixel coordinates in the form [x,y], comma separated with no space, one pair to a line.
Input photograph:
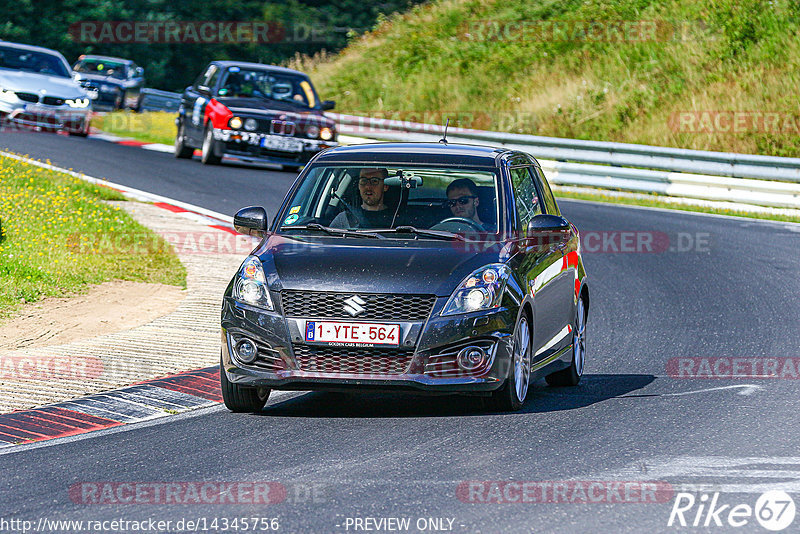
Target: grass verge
[716,75]
[45,215]
[659,202]
[149,127]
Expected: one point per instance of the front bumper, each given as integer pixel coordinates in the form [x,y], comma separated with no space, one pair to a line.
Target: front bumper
[51,118]
[269,148]
[424,350]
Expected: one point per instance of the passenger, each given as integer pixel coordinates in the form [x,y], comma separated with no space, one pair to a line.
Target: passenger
[373,212]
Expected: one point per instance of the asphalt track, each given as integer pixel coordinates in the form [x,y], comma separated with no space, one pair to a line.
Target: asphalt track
[342,457]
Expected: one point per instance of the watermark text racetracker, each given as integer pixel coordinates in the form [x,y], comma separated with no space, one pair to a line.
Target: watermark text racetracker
[200,32]
[724,367]
[200,492]
[563,491]
[194,242]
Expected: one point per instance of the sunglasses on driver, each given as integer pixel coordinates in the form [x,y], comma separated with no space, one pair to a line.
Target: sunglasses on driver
[460,200]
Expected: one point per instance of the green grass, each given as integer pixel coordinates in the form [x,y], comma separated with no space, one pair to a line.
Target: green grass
[59,236]
[441,58]
[654,201]
[150,126]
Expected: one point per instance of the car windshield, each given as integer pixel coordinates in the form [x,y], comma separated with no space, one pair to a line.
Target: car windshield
[395,201]
[257,83]
[114,69]
[32,61]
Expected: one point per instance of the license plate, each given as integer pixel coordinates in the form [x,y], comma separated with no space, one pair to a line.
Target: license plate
[364,334]
[284,144]
[40,111]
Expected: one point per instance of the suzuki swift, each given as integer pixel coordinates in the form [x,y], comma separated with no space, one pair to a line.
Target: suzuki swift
[433,268]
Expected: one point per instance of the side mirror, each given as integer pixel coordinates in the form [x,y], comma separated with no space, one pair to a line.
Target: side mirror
[544,223]
[251,221]
[203,90]
[328,104]
[139,72]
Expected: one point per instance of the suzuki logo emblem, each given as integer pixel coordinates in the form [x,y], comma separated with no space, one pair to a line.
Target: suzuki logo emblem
[354,305]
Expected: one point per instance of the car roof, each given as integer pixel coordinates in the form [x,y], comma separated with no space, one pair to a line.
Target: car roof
[434,153]
[274,68]
[105,58]
[30,47]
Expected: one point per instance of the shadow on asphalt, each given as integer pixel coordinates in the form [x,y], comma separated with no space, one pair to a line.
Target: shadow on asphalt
[591,390]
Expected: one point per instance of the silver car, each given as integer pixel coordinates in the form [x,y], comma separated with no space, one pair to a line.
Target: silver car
[37,91]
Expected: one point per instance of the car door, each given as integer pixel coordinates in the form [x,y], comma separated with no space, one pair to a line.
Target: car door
[565,249]
[541,264]
[193,105]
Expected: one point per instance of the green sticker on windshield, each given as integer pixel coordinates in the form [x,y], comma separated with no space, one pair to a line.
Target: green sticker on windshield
[291,219]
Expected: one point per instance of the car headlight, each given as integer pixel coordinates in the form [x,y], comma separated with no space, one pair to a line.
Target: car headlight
[250,125]
[481,290]
[326,134]
[250,286]
[78,103]
[235,123]
[104,87]
[7,96]
[312,131]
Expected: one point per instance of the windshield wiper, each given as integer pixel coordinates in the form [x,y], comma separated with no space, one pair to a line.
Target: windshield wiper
[334,231]
[436,234]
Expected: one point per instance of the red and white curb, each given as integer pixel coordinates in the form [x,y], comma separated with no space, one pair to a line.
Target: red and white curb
[151,399]
[127,141]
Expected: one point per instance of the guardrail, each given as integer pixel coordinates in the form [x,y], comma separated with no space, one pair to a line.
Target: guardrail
[157,100]
[742,178]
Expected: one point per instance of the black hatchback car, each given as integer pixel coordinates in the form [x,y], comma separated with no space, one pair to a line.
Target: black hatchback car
[427,267]
[254,113]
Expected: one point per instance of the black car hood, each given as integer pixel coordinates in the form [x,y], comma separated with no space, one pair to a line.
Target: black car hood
[365,265]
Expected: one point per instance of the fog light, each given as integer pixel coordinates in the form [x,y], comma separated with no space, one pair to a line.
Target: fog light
[246,350]
[471,358]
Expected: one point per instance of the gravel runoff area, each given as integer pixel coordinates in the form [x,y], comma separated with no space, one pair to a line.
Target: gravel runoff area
[187,337]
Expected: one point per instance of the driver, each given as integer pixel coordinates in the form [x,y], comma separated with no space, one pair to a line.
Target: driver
[373,212]
[463,201]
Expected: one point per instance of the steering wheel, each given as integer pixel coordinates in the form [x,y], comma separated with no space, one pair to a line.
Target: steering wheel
[459,220]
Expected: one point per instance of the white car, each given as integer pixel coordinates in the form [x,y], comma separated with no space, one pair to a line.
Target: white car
[37,90]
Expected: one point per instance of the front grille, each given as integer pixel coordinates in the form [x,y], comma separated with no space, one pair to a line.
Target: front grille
[362,361]
[377,307]
[28,97]
[53,101]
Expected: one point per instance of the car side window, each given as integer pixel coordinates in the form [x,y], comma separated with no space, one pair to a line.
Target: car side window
[526,198]
[211,81]
[201,80]
[549,200]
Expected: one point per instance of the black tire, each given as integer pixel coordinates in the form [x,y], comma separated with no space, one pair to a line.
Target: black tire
[507,398]
[84,132]
[209,156]
[571,376]
[240,399]
[182,150]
